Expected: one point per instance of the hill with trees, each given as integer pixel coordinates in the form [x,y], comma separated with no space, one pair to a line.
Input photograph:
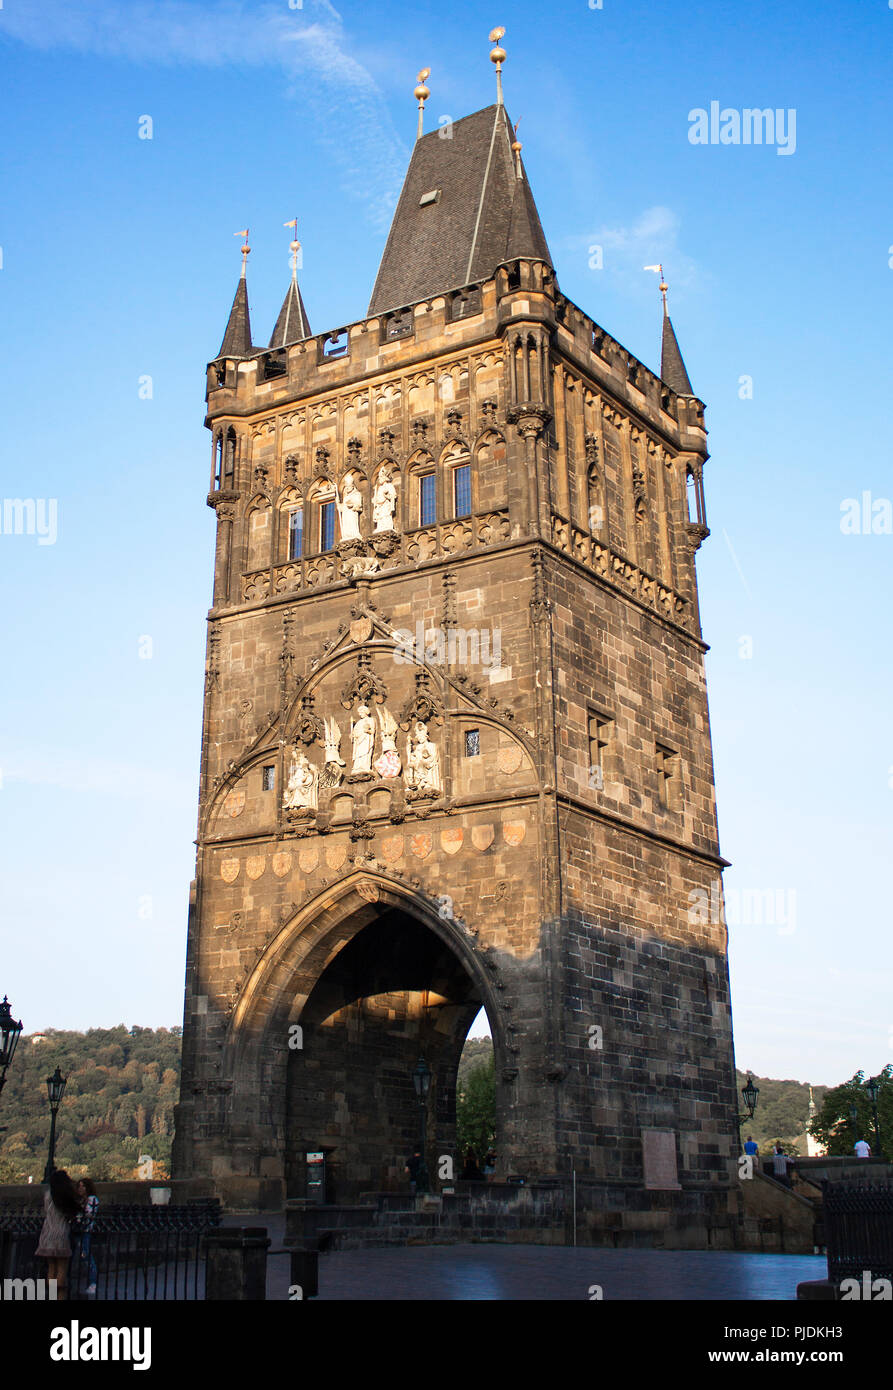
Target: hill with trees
[123,1084]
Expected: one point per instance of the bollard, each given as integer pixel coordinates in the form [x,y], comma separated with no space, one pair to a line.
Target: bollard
[305,1271]
[236,1263]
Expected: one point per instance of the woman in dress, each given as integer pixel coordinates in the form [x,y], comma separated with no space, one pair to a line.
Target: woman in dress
[61,1206]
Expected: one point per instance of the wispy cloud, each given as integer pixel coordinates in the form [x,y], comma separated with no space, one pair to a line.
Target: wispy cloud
[307,45]
[651,238]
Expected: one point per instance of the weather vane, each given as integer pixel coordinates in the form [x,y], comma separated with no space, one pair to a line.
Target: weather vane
[294,247]
[246,249]
[659,270]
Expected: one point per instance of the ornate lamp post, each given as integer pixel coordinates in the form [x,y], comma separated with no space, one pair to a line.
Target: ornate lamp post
[10,1032]
[421,1080]
[750,1094]
[872,1086]
[55,1091]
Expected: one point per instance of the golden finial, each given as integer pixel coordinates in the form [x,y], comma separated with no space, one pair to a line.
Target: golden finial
[246,249]
[421,95]
[497,56]
[517,147]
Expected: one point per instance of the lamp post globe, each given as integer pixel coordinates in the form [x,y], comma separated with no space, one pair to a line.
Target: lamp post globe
[55,1091]
[750,1094]
[10,1032]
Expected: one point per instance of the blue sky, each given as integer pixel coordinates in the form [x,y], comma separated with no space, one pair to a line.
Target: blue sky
[119,263]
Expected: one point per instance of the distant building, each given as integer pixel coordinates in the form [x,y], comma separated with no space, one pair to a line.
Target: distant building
[813,1148]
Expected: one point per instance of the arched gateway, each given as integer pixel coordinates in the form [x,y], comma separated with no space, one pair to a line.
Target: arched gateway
[331,1024]
[456,745]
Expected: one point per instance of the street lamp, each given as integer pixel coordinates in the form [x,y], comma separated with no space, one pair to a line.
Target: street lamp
[55,1091]
[750,1094]
[421,1080]
[873,1088]
[10,1032]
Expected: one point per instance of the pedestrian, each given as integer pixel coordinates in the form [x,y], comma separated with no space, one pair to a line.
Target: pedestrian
[471,1172]
[780,1164]
[862,1148]
[61,1206]
[90,1206]
[489,1163]
[751,1147]
[413,1165]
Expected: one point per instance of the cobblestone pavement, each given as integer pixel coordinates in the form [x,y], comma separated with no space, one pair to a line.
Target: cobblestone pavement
[507,1272]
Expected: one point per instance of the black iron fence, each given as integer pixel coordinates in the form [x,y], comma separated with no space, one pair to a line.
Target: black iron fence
[857,1224]
[125,1252]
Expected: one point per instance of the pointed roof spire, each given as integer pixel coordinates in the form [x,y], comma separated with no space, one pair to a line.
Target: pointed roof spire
[292,324]
[672,367]
[463,211]
[237,338]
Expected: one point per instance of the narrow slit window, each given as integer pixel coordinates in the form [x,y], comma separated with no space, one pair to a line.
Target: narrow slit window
[599,739]
[462,490]
[427,500]
[667,778]
[268,778]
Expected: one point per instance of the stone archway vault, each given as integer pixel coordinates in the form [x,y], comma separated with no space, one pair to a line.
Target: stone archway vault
[330,1024]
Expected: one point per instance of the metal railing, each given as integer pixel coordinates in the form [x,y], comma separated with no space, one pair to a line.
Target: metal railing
[127,1252]
[858,1229]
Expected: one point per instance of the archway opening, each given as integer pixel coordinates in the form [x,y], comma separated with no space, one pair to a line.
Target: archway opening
[395,991]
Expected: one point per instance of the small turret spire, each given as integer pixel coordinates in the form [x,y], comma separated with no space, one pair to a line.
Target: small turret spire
[292,324]
[497,56]
[237,338]
[517,147]
[672,367]
[421,95]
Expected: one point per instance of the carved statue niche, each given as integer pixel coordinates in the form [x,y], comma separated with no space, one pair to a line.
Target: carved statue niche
[332,773]
[301,797]
[422,763]
[350,508]
[388,765]
[362,737]
[384,501]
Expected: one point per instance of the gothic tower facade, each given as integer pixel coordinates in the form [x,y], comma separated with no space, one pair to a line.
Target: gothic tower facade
[456,749]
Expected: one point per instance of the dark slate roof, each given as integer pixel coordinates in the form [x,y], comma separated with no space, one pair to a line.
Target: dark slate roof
[483,216]
[672,367]
[237,338]
[292,324]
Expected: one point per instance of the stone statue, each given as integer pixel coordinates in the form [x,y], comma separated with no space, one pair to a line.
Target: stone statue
[333,761]
[384,502]
[388,765]
[350,507]
[302,791]
[422,762]
[362,737]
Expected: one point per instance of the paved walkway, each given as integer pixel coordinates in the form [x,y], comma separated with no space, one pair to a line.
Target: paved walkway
[508,1272]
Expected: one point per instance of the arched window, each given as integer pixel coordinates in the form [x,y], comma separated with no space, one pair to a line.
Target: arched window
[462,490]
[218,463]
[296,533]
[326,521]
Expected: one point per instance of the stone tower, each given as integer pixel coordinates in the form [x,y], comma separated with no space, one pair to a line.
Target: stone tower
[456,750]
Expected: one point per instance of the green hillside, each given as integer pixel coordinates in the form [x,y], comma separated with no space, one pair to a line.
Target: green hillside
[123,1084]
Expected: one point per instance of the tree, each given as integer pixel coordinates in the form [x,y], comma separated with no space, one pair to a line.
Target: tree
[476,1109]
[833,1125]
